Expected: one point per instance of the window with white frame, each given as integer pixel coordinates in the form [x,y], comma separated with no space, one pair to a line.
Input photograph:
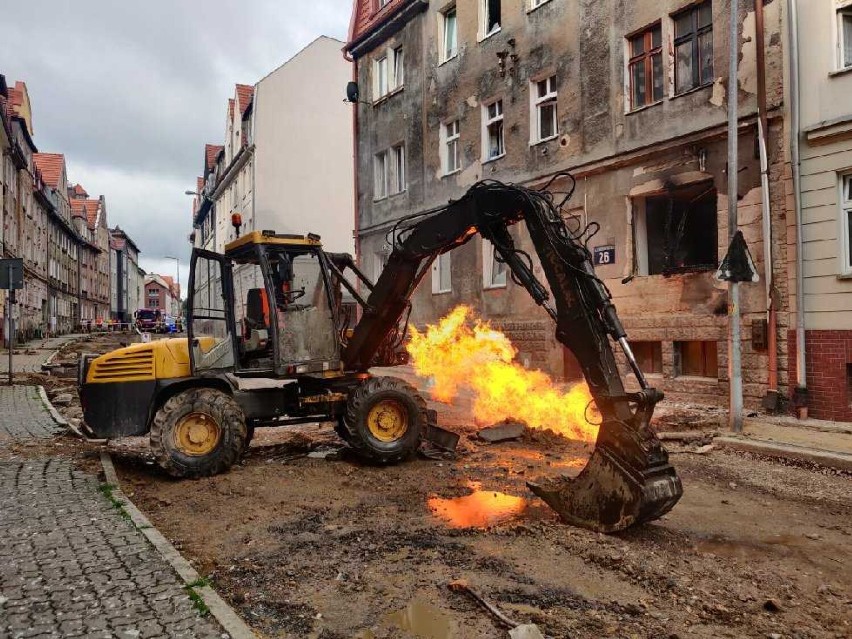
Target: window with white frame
[380,77]
[846,223]
[397,172]
[442,281]
[543,126]
[489,18]
[380,175]
[450,141]
[493,271]
[537,3]
[448,28]
[492,131]
[398,69]
[844,36]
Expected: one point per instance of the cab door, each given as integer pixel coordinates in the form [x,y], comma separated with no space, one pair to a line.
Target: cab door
[210,306]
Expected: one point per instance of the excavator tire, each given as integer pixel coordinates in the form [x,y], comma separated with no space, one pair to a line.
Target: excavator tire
[385,420]
[198,433]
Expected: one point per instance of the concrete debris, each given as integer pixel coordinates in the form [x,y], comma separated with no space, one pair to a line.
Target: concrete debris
[502,432]
[62,400]
[331,454]
[703,450]
[526,631]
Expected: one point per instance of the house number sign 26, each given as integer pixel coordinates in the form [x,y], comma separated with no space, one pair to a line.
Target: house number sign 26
[604,255]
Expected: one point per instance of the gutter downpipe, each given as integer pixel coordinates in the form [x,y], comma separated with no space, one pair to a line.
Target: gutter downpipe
[771,399]
[355,234]
[800,394]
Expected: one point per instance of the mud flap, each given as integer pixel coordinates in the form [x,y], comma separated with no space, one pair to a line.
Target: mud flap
[627,481]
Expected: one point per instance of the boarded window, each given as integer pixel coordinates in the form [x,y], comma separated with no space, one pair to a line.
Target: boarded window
[649,356]
[697,359]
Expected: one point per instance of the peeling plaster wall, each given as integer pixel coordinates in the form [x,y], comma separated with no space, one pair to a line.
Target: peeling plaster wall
[614,155]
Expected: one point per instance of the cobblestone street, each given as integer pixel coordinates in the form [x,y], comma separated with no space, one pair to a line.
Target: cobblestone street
[71,563]
[29,357]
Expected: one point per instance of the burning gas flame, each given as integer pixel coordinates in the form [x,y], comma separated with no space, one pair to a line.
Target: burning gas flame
[463,353]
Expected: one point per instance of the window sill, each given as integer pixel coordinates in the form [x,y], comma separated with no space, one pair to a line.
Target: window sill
[696,378]
[840,72]
[493,32]
[450,173]
[543,140]
[537,7]
[387,96]
[845,277]
[647,106]
[397,194]
[496,287]
[691,91]
[450,59]
[494,159]
[441,292]
[380,199]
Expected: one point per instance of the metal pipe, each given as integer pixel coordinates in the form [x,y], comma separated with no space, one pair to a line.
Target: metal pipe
[735,413]
[763,135]
[795,129]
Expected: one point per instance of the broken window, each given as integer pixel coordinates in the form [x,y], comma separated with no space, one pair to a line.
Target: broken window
[677,231]
[544,112]
[693,47]
[646,67]
[489,17]
[449,34]
[844,37]
[493,134]
[697,358]
[649,356]
[442,274]
[451,135]
[493,271]
[846,223]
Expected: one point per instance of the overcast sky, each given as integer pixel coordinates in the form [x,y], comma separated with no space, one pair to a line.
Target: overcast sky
[131,91]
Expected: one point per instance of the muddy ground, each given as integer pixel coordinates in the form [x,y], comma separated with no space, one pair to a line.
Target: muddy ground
[306,546]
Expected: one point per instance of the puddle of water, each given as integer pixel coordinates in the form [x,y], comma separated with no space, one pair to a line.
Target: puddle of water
[480,509]
[423,620]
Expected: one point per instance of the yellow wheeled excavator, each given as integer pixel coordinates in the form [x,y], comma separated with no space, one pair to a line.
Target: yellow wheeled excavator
[273,340]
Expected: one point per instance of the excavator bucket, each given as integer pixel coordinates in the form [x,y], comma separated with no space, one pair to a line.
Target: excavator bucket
[627,481]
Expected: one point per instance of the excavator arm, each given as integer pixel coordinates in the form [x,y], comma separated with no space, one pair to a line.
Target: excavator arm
[628,479]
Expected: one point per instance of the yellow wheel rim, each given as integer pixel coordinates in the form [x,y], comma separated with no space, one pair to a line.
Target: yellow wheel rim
[387,420]
[197,434]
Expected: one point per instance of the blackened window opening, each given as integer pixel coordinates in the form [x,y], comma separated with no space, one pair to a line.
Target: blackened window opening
[682,231]
[493,10]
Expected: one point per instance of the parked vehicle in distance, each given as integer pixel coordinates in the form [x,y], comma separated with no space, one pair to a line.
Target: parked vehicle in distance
[148,319]
[169,324]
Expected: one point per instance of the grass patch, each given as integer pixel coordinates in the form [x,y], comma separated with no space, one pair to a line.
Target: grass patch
[197,601]
[201,582]
[108,490]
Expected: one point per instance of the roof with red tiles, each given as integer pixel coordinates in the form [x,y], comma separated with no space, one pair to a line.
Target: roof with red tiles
[78,191]
[86,209]
[245,93]
[210,153]
[366,15]
[51,166]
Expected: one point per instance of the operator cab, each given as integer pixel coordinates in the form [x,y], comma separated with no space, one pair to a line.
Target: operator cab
[264,308]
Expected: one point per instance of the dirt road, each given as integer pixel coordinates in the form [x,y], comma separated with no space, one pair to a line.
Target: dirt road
[307,547]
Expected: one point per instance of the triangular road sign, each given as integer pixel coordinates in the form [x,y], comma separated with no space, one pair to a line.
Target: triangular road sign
[738,265]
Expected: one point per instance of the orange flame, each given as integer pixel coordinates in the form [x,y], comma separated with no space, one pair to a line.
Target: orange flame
[463,353]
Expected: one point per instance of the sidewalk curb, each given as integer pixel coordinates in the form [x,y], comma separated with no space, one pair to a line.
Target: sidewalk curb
[221,611]
[59,419]
[831,459]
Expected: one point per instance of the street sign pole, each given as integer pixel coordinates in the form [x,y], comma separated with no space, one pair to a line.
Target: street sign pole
[11,305]
[735,373]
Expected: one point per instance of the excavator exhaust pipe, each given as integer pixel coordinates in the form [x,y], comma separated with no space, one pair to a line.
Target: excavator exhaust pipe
[628,481]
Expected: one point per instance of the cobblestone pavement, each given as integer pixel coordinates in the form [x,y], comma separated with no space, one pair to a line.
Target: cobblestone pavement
[31,356]
[72,566]
[23,414]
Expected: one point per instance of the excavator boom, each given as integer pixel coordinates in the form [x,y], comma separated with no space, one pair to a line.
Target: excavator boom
[628,479]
